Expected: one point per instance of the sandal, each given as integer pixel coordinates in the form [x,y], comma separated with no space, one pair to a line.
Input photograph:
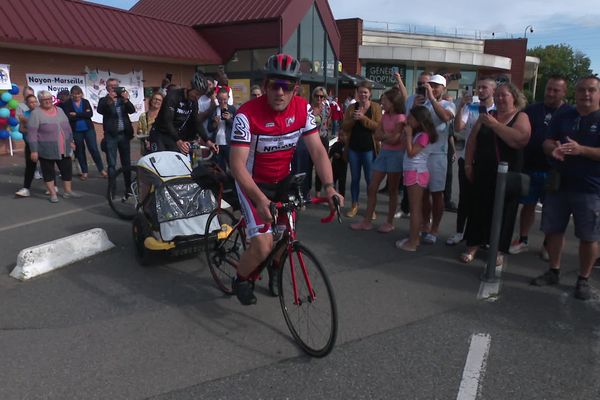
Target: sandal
[386,228]
[403,245]
[83,176]
[361,226]
[466,257]
[499,260]
[104,174]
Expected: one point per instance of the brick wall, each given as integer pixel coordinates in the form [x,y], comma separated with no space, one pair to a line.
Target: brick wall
[24,62]
[516,50]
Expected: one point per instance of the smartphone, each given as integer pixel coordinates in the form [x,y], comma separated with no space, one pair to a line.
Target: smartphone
[482,109]
[421,90]
[469,90]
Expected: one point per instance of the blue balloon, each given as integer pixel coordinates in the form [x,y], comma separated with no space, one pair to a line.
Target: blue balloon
[16,136]
[13,121]
[4,113]
[6,97]
[14,90]
[3,103]
[4,134]
[15,128]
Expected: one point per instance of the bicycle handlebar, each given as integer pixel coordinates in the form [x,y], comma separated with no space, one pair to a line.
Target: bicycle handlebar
[274,207]
[198,146]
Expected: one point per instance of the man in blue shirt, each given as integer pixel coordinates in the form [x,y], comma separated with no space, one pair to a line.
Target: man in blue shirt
[574,143]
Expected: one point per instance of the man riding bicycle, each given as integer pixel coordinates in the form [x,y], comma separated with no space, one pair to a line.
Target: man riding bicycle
[177,122]
[264,137]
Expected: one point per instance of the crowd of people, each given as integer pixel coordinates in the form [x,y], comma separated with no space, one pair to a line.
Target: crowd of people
[550,148]
[410,142]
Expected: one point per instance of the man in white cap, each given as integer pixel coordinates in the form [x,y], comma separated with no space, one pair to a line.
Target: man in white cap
[442,113]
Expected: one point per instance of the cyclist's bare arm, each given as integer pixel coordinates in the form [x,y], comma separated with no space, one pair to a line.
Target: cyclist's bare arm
[322,164]
[237,163]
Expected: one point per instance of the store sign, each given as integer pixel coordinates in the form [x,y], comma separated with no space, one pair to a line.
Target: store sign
[54,83]
[384,73]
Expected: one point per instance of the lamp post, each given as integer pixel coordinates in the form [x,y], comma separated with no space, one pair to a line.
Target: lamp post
[530,27]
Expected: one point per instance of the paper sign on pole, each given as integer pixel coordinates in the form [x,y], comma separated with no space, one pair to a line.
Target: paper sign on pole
[5,83]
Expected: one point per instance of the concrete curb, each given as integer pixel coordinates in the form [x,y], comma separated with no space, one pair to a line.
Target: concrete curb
[38,260]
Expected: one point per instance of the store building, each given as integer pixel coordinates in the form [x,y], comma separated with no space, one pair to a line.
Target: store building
[154,38]
[376,53]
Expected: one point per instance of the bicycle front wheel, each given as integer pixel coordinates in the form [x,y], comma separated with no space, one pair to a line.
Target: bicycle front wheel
[123,193]
[224,244]
[310,317]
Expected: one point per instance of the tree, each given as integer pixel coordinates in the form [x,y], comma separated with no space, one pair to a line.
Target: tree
[562,60]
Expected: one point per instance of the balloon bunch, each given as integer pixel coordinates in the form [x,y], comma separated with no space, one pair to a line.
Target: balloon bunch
[9,123]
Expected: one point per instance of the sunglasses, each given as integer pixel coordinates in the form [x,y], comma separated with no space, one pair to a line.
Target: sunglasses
[319,96]
[285,85]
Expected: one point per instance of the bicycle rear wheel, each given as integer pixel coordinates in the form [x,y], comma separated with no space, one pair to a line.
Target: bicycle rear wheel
[123,193]
[313,319]
[224,246]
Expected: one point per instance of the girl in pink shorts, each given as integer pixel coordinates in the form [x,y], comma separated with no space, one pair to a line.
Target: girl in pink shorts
[416,175]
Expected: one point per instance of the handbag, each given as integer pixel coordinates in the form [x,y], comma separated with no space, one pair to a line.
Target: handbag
[517,183]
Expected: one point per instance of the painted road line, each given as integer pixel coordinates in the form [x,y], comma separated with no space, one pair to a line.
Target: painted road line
[475,366]
[53,216]
[43,258]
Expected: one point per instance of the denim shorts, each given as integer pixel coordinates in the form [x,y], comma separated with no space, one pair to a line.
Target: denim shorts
[437,164]
[585,208]
[389,161]
[537,183]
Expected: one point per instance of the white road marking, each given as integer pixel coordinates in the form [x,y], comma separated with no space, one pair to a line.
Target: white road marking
[475,366]
[53,216]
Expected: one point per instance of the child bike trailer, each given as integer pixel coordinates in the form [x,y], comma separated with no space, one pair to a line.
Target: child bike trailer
[172,208]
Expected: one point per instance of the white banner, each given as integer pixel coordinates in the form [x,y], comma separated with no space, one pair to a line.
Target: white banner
[133,82]
[5,83]
[54,83]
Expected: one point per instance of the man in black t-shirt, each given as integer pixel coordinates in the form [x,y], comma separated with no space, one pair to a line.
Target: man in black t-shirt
[536,163]
[574,143]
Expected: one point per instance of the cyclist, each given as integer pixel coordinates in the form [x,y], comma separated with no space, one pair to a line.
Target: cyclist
[177,122]
[264,137]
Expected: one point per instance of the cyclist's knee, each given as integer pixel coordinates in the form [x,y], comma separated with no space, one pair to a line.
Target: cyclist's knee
[260,246]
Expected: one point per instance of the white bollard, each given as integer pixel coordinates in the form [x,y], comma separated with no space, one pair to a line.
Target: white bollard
[38,260]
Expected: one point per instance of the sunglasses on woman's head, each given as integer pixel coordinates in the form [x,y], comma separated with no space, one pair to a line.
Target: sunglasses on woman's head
[283,84]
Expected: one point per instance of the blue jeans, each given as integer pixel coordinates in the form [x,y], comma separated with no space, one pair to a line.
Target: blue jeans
[121,144]
[81,139]
[358,160]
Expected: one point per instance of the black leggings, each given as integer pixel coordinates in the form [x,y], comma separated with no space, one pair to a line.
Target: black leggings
[65,166]
[29,168]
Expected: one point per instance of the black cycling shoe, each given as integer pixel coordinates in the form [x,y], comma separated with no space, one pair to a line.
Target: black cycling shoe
[244,291]
[273,280]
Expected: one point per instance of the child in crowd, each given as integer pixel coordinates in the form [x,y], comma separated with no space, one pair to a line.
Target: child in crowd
[339,165]
[389,161]
[419,133]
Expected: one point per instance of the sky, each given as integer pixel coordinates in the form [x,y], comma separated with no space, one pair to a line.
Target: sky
[574,22]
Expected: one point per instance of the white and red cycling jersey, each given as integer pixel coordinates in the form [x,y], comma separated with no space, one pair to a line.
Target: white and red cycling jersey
[271,136]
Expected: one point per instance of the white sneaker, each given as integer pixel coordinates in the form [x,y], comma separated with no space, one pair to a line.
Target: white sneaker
[47,193]
[23,192]
[454,239]
[518,247]
[37,175]
[400,214]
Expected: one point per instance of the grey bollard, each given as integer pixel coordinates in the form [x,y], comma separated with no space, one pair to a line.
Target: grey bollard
[490,270]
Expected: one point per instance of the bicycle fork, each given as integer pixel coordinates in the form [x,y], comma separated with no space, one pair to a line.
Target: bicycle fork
[311,292]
